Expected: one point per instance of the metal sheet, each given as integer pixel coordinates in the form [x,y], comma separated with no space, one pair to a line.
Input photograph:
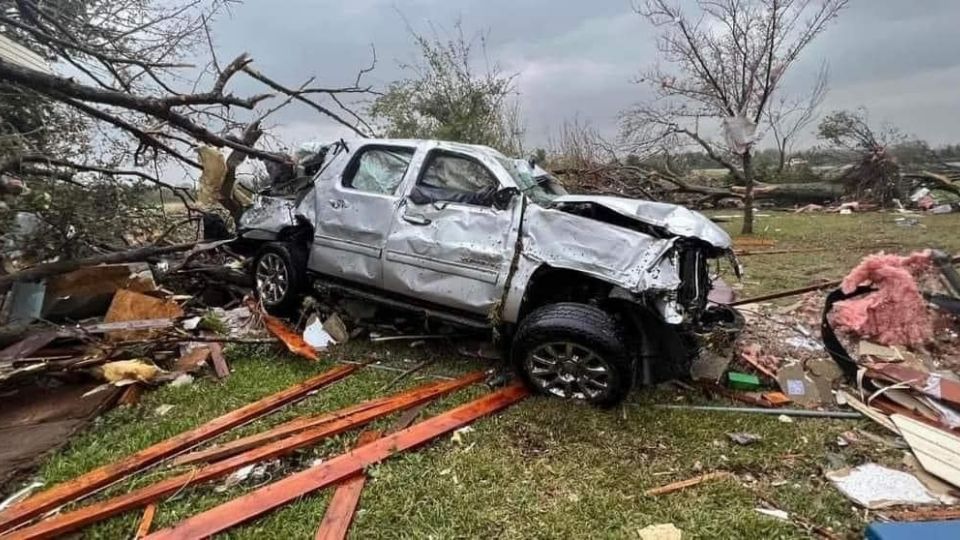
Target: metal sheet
[622,257]
[672,218]
[268,216]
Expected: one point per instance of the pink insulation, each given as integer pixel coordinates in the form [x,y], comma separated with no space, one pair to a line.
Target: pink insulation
[896,314]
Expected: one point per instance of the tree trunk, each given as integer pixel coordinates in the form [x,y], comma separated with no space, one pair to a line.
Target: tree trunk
[801,193]
[747,160]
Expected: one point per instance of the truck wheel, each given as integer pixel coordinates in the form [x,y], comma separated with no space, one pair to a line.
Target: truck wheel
[574,351]
[279,273]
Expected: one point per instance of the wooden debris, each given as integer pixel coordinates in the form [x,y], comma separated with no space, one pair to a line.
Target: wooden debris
[128,305]
[775,399]
[131,395]
[788,293]
[71,521]
[192,360]
[931,384]
[293,340]
[690,482]
[936,450]
[298,425]
[218,361]
[343,505]
[267,498]
[867,411]
[146,521]
[339,515]
[924,514]
[92,481]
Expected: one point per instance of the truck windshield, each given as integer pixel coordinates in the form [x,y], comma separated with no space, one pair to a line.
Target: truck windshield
[537,183]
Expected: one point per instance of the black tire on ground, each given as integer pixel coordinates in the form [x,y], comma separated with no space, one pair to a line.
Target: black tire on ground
[584,329]
[292,262]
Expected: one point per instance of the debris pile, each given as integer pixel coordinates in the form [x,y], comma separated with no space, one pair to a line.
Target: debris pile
[345,470]
[899,315]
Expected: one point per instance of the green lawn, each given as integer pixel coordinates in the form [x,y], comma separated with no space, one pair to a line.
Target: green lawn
[545,468]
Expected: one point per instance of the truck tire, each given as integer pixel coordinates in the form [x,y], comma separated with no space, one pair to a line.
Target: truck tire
[574,351]
[279,277]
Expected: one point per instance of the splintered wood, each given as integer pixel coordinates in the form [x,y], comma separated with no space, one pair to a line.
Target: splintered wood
[337,423]
[92,481]
[684,484]
[291,488]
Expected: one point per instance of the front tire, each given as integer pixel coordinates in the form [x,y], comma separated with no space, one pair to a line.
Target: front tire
[574,351]
[279,273]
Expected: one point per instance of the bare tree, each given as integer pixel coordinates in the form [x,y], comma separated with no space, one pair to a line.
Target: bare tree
[125,69]
[729,60]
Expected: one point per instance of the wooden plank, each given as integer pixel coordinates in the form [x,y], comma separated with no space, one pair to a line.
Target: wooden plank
[339,515]
[71,521]
[931,384]
[867,411]
[145,522]
[787,293]
[684,484]
[92,481]
[219,362]
[343,505]
[936,450]
[297,425]
[291,488]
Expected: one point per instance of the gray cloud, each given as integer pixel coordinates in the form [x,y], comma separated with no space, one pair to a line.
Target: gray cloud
[897,58]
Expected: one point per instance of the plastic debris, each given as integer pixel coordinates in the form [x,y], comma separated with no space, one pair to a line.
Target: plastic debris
[742,381]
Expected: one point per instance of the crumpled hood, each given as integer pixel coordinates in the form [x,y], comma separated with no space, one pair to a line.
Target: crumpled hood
[671,217]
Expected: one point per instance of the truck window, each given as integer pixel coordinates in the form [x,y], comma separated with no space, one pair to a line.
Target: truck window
[456,179]
[378,170]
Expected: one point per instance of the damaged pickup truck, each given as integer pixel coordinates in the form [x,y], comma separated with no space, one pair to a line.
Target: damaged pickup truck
[590,293]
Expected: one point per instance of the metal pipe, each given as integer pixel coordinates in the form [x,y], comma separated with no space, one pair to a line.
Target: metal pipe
[760,410]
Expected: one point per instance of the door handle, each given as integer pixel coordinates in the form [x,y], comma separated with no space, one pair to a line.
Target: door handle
[415,219]
[337,204]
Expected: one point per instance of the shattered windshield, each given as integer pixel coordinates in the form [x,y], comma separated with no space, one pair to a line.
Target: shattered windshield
[535,182]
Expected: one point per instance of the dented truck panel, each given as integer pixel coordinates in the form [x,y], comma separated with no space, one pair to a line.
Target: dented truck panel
[628,259]
[455,254]
[674,219]
[267,216]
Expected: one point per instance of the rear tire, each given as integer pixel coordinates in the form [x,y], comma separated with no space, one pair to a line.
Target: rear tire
[574,351]
[279,275]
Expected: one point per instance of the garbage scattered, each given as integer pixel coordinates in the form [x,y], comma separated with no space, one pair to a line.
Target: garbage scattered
[662,531]
[873,486]
[743,438]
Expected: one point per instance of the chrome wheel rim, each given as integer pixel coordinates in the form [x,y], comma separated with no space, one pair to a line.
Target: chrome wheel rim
[272,278]
[569,370]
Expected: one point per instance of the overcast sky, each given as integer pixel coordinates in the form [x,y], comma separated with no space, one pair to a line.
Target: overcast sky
[577,58]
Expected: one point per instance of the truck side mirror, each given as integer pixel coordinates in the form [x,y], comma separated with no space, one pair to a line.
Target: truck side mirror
[502,198]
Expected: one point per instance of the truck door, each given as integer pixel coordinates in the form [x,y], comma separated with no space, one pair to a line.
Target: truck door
[355,210]
[448,243]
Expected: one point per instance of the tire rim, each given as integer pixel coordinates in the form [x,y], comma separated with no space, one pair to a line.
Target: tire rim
[569,370]
[272,279]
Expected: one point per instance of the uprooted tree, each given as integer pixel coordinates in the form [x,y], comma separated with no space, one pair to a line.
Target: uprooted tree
[448,95]
[887,163]
[729,60]
[114,103]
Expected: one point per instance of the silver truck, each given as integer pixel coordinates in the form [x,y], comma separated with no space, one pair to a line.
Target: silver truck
[586,292]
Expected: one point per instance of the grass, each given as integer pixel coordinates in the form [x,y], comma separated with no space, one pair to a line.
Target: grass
[544,468]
